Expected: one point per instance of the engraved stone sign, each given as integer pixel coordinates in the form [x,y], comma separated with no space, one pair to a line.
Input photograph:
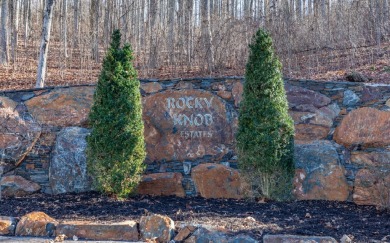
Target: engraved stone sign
[186,125]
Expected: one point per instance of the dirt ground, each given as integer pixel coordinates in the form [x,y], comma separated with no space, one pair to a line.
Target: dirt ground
[320,218]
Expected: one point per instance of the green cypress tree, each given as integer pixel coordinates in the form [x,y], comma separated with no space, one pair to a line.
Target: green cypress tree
[265,133]
[116,147]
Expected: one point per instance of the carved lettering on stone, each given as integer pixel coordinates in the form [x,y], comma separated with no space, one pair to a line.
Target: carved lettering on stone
[186,125]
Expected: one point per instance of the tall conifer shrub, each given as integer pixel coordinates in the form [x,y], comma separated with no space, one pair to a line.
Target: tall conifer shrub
[265,134]
[116,148]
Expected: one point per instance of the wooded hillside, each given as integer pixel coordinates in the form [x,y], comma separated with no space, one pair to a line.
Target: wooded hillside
[314,38]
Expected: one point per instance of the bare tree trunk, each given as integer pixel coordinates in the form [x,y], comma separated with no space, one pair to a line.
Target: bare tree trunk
[4,37]
[378,22]
[206,35]
[94,25]
[45,40]
[386,18]
[76,23]
[188,27]
[310,7]
[323,9]
[153,7]
[27,20]
[65,27]
[15,28]
[316,7]
[171,33]
[140,26]
[106,29]
[181,24]
[298,8]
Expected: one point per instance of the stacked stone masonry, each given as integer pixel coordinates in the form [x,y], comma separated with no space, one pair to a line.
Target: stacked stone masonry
[149,228]
[342,141]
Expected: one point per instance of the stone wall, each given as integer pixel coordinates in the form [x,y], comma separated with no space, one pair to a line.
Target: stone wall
[342,138]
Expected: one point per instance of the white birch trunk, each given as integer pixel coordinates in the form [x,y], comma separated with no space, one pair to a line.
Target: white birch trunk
[4,34]
[45,40]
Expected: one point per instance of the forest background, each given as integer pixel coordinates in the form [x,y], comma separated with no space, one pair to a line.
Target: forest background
[315,39]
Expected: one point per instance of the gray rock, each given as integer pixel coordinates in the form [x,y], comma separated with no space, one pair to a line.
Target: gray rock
[319,174]
[297,239]
[242,239]
[331,111]
[304,99]
[202,235]
[350,98]
[315,155]
[27,96]
[68,167]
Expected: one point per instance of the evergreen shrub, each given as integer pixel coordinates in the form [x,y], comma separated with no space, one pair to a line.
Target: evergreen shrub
[116,147]
[265,134]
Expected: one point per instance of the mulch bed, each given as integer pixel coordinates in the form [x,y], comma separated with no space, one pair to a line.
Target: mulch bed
[320,218]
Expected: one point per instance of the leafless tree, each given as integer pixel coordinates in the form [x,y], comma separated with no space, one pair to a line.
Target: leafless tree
[45,40]
[203,37]
[4,31]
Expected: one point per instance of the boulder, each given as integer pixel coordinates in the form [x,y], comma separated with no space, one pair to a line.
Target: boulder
[314,125]
[151,87]
[350,98]
[329,113]
[371,159]
[297,239]
[242,239]
[224,94]
[367,127]
[36,224]
[7,225]
[184,85]
[156,227]
[18,134]
[7,103]
[17,186]
[237,92]
[162,184]
[372,187]
[123,231]
[68,166]
[371,94]
[203,235]
[216,181]
[184,233]
[63,106]
[317,118]
[306,133]
[186,125]
[319,175]
[301,99]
